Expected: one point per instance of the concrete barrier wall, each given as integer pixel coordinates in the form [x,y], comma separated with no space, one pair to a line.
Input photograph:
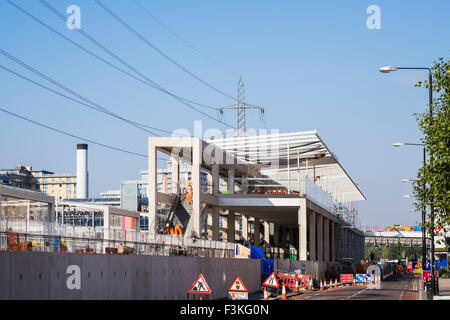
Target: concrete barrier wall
[315,268]
[72,276]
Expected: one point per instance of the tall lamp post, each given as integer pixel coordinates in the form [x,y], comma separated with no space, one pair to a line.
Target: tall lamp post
[424,213]
[388,69]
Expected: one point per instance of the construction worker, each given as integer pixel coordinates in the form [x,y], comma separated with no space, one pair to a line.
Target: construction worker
[189,192]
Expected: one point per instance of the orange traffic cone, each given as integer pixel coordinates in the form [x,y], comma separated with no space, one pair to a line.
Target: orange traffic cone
[335,283]
[365,281]
[354,281]
[321,285]
[324,284]
[266,294]
[296,286]
[310,284]
[283,293]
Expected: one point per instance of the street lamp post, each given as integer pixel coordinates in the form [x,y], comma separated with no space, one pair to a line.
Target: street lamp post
[424,243]
[430,98]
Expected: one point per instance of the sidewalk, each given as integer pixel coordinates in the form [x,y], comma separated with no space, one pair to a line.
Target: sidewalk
[444,287]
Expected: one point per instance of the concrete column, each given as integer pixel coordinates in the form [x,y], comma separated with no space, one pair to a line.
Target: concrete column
[276,235]
[326,237]
[312,236]
[231,226]
[244,183]
[266,232]
[231,179]
[283,237]
[215,179]
[244,232]
[196,171]
[319,224]
[215,222]
[151,190]
[291,236]
[257,235]
[302,231]
[333,241]
[175,175]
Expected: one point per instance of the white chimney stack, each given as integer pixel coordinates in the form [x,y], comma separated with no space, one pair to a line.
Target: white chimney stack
[82,171]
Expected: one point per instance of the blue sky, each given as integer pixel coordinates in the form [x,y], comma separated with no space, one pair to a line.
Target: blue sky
[311,64]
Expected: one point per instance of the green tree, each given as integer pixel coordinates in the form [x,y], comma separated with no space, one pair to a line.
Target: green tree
[435,174]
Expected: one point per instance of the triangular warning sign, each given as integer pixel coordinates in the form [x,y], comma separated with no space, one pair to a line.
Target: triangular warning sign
[237,285]
[271,281]
[200,286]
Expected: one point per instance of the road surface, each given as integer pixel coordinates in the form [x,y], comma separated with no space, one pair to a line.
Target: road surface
[397,288]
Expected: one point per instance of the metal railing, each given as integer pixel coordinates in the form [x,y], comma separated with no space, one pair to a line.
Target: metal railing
[25,235]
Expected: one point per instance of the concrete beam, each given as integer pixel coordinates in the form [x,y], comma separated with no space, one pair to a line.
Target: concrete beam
[215,222]
[175,175]
[231,226]
[319,224]
[326,239]
[312,236]
[152,189]
[302,232]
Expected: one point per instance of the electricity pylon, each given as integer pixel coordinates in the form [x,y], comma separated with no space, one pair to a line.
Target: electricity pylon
[241,106]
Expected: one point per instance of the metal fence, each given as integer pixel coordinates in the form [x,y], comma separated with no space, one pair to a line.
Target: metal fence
[26,235]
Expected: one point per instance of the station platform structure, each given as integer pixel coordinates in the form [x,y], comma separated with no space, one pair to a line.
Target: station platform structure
[290,188]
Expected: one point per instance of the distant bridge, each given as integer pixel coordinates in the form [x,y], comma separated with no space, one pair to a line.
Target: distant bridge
[393,238]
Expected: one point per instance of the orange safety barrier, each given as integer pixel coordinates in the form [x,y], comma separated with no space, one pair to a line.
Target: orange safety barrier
[178,230]
[13,243]
[283,293]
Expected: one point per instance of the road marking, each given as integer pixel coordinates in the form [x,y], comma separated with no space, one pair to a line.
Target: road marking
[355,294]
[401,294]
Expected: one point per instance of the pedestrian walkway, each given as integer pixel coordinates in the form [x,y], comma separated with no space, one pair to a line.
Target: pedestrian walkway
[444,287]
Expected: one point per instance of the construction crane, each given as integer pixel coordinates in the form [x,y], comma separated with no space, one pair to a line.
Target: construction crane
[241,106]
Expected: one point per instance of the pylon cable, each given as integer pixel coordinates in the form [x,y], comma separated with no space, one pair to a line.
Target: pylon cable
[100,58]
[72,135]
[70,98]
[95,105]
[162,53]
[184,41]
[90,38]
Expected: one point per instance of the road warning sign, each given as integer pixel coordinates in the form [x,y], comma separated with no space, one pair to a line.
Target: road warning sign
[271,281]
[238,286]
[360,277]
[347,278]
[200,286]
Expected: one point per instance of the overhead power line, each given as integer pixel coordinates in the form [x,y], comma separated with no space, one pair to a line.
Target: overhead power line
[162,53]
[183,40]
[24,11]
[66,96]
[72,135]
[101,46]
[93,104]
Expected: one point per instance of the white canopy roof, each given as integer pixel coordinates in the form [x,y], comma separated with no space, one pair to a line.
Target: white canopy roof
[287,157]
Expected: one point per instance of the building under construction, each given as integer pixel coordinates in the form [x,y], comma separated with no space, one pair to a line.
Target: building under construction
[287,193]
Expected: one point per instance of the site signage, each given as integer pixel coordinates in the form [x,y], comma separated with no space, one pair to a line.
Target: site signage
[360,277]
[200,286]
[347,278]
[427,274]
